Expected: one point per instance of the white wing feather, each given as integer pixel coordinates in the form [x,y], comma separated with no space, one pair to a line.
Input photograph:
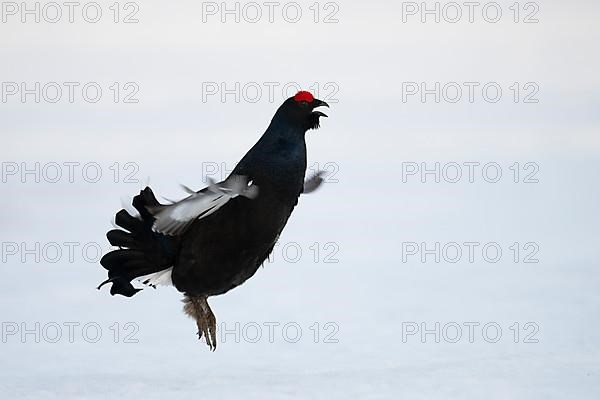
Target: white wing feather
[172,219]
[314,182]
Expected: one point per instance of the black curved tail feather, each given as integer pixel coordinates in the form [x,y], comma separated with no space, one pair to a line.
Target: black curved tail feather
[141,251]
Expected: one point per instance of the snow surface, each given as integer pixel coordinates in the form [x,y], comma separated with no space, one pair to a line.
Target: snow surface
[366,297]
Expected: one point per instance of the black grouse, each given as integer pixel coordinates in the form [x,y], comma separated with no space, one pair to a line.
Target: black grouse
[216,238]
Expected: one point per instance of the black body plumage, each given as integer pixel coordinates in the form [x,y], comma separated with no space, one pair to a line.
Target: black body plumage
[222,250]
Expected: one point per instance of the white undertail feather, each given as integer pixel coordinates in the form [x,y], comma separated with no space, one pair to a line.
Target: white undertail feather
[161,278]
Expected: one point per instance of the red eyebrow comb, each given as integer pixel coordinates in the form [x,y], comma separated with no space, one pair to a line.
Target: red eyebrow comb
[304,96]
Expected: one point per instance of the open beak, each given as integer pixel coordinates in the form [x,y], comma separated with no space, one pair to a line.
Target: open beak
[320,103]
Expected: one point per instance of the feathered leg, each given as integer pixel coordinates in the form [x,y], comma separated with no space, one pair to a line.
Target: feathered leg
[197,307]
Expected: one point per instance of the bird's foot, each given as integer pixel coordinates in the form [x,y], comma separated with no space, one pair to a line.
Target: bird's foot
[197,307]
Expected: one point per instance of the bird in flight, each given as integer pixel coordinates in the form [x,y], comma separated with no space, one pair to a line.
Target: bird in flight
[215,239]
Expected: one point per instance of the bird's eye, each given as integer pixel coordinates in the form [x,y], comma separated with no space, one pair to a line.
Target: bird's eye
[304,104]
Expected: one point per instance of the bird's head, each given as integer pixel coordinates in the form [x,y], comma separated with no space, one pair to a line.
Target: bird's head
[299,110]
